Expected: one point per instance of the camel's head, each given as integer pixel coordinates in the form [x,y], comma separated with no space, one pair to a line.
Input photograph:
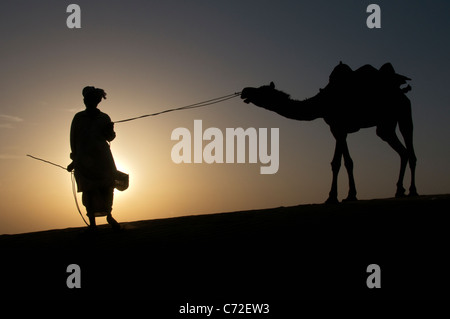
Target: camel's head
[263,96]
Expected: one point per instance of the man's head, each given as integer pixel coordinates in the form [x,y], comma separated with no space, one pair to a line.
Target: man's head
[93,96]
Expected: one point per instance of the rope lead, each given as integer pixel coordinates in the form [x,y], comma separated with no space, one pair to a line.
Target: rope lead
[72,178]
[187,107]
[75,197]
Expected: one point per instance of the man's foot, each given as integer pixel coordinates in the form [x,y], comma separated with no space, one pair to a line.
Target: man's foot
[114,224]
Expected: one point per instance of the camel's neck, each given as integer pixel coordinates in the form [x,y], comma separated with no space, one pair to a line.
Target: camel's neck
[307,110]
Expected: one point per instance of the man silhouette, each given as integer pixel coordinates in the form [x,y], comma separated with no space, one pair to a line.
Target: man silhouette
[95,170]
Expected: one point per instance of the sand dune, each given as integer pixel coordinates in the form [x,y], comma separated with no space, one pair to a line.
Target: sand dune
[306,251]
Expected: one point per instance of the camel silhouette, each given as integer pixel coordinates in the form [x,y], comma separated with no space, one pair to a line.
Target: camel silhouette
[352,100]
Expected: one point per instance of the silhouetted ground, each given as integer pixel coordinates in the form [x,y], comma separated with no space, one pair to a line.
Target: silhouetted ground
[306,251]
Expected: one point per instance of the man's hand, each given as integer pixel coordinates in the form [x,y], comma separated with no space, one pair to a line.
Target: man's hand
[70,167]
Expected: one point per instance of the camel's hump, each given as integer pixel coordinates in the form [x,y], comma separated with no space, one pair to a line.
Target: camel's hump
[343,74]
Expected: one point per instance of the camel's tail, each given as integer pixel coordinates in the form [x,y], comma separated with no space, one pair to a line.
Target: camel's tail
[406,89]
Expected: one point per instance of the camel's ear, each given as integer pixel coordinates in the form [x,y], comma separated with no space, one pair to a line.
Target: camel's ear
[272,85]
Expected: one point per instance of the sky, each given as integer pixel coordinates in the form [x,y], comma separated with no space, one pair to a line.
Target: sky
[151,56]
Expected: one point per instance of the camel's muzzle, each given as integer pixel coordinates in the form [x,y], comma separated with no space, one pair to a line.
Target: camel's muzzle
[245,94]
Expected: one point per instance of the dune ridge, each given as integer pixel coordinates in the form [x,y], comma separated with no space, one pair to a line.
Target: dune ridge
[306,251]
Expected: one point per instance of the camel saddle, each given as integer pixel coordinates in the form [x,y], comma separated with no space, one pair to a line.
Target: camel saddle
[343,76]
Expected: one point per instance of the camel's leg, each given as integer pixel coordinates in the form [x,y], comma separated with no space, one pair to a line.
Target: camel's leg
[391,138]
[406,128]
[412,166]
[348,162]
[335,166]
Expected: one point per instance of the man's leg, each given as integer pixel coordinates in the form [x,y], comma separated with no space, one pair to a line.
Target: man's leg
[87,199]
